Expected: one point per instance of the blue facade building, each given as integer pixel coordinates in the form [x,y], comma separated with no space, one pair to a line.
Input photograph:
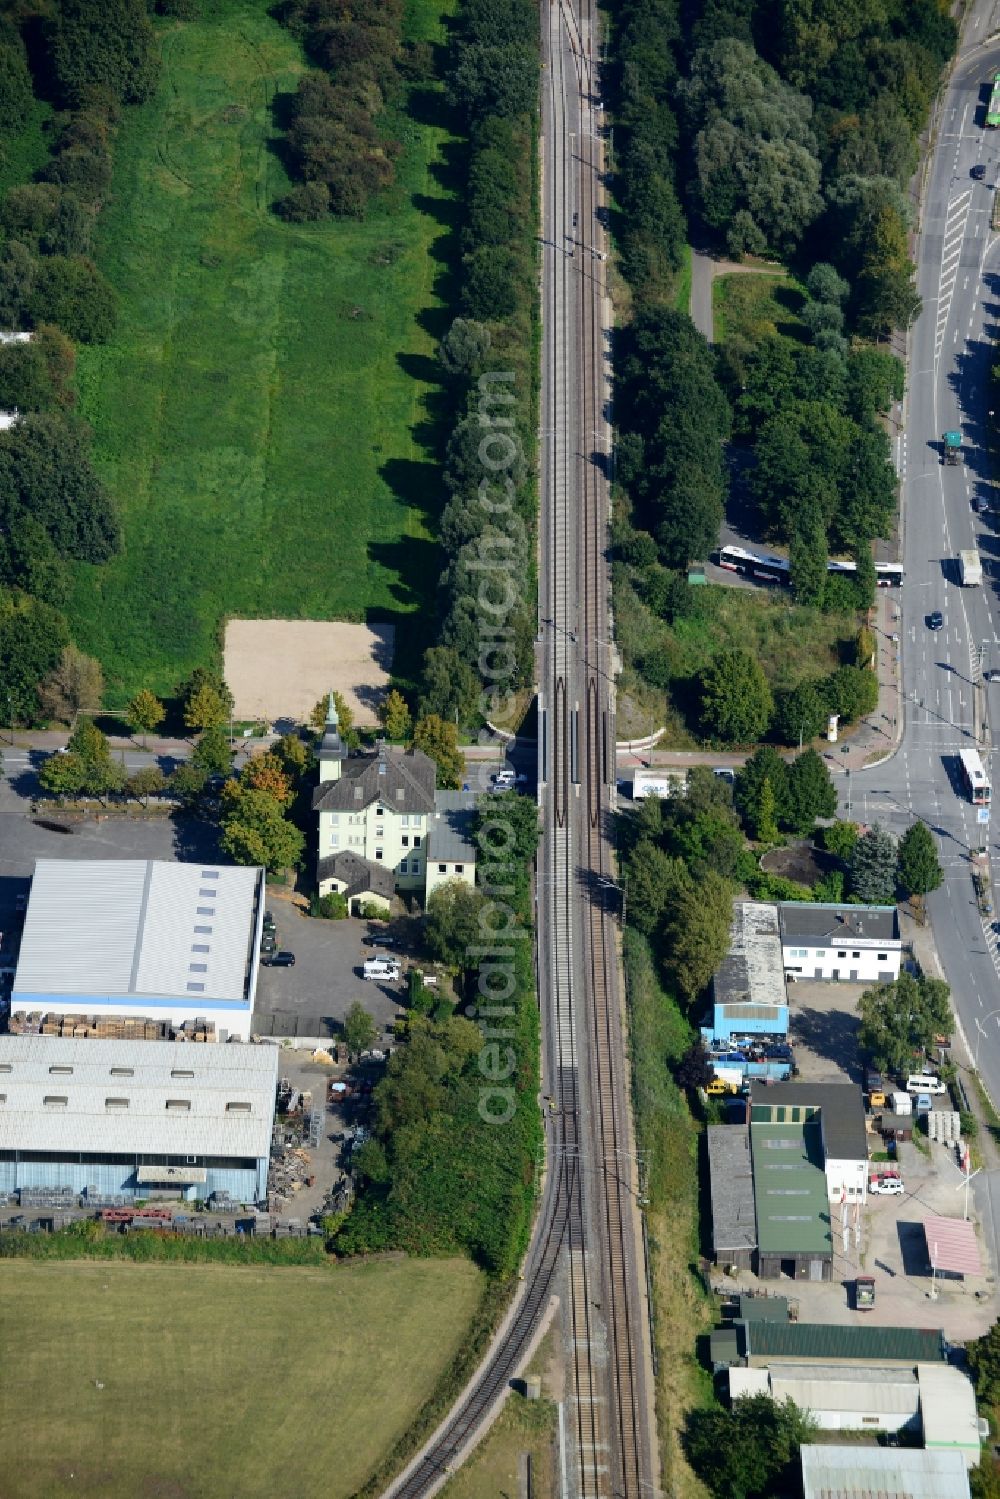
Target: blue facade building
[141,1119]
[748,992]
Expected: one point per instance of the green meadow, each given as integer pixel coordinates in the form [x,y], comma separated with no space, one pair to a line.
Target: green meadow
[264,411]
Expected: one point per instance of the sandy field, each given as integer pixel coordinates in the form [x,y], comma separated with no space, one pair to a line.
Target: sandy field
[277,668]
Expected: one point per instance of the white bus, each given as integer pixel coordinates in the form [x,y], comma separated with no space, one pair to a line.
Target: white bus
[976,781]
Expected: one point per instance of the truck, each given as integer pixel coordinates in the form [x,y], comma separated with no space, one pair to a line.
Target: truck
[970,568]
[952,445]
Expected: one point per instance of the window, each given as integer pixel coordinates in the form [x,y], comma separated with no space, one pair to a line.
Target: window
[123,1072]
[55,1100]
[197,968]
[208,894]
[238,1108]
[459,868]
[200,947]
[855,955]
[335,818]
[210,874]
[442,869]
[179,1105]
[405,841]
[821,952]
[416,841]
[334,840]
[181,1072]
[379,811]
[400,794]
[358,793]
[194,988]
[842,954]
[116,1103]
[378,853]
[203,931]
[205,911]
[3,1098]
[60,1072]
[883,957]
[404,821]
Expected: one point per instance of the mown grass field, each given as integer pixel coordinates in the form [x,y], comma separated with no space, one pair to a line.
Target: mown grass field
[262,413]
[202,1382]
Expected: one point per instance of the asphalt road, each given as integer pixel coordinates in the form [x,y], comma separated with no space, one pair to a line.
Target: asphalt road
[946,704]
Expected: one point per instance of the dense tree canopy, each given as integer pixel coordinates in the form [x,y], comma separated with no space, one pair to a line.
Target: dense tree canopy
[102,45]
[900,1021]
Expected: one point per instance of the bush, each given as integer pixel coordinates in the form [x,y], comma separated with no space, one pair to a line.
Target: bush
[72,293]
[332,907]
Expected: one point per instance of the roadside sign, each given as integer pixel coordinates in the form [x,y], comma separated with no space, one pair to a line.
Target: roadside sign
[983,814]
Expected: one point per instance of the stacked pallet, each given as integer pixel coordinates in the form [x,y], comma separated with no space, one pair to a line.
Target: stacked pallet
[90,1027]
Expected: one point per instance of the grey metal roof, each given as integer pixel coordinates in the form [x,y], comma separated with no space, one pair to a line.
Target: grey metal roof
[856,1472]
[841,1107]
[948,1409]
[822,924]
[133,928]
[835,1387]
[359,875]
[402,780]
[734,1222]
[141,1077]
[754,970]
[450,830]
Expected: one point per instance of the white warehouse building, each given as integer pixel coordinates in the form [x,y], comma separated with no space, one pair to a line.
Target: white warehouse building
[140,1119]
[137,937]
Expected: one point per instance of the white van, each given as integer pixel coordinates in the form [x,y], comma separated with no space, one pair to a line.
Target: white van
[925,1082]
[382,968]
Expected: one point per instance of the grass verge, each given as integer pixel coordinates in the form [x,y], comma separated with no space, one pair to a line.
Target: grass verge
[196,1382]
[667,1135]
[265,411]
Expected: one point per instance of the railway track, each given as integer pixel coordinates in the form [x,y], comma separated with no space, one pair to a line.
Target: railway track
[586,1244]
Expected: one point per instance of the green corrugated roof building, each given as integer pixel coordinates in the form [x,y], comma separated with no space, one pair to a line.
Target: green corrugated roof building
[789,1183]
[814,1342]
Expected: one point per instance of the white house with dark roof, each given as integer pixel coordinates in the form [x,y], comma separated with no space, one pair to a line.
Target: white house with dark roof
[860,944]
[383,825]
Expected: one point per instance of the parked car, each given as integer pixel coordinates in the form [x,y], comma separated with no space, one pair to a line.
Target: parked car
[282,960]
[378,940]
[925,1082]
[864,1293]
[887,1186]
[924,1103]
[382,968]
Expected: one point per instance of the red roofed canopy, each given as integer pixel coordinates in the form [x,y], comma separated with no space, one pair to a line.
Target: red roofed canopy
[952,1246]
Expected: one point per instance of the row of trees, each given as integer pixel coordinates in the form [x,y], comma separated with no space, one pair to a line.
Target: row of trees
[90,58]
[336,143]
[440,1174]
[486,527]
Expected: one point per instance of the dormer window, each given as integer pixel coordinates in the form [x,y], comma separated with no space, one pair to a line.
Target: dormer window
[379,811]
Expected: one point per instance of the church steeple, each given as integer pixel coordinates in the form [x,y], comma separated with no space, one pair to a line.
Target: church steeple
[331,751]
